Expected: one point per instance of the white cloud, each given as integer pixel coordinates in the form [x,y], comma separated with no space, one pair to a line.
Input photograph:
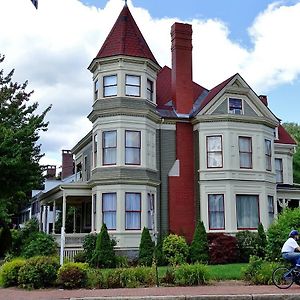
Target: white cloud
[53,46]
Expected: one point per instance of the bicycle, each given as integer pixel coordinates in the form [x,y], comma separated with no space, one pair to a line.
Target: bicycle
[284,277]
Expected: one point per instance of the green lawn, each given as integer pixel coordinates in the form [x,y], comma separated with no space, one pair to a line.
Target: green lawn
[218,272]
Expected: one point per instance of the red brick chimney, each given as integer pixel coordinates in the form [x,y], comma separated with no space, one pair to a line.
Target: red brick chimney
[182,85]
[50,171]
[67,164]
[264,99]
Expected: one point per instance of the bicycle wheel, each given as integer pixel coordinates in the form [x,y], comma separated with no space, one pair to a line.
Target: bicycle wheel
[282,277]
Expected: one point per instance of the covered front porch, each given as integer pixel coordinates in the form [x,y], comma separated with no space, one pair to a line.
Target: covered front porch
[288,196]
[72,208]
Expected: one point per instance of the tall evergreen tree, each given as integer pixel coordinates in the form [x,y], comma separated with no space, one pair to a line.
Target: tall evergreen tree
[146,248]
[20,154]
[104,255]
[199,246]
[261,245]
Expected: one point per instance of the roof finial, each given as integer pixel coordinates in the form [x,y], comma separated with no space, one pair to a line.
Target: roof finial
[125,2]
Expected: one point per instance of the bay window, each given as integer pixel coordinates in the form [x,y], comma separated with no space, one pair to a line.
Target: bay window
[271,208]
[214,151]
[132,211]
[245,151]
[216,211]
[109,210]
[132,147]
[133,85]
[109,147]
[110,86]
[149,90]
[268,155]
[96,89]
[150,203]
[247,211]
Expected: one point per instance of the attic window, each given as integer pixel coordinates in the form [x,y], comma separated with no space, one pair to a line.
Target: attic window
[235,106]
[133,85]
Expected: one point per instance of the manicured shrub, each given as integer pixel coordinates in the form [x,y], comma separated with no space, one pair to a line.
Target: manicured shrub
[222,248]
[146,249]
[246,243]
[38,272]
[72,275]
[279,230]
[9,272]
[89,246]
[16,242]
[5,240]
[169,277]
[188,275]
[259,271]
[199,245]
[260,249]
[112,279]
[104,255]
[175,249]
[42,244]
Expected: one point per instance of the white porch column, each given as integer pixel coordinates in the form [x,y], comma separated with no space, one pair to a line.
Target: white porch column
[54,216]
[46,229]
[283,202]
[64,210]
[62,232]
[41,218]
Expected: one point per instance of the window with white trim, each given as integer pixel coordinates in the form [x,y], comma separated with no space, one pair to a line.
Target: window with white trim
[133,85]
[216,212]
[149,90]
[279,170]
[109,147]
[271,208]
[268,155]
[245,152]
[214,151]
[235,106]
[247,211]
[94,210]
[109,210]
[95,149]
[150,203]
[96,89]
[110,86]
[132,211]
[132,147]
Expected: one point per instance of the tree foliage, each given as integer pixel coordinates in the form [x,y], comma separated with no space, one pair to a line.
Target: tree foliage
[294,130]
[20,154]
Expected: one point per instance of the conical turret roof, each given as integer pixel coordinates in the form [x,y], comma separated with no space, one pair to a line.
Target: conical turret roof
[125,38]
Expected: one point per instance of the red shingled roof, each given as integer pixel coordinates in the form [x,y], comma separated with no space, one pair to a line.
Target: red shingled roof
[125,38]
[284,137]
[213,92]
[164,90]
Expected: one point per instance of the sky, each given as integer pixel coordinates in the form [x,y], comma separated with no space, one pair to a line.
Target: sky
[52,46]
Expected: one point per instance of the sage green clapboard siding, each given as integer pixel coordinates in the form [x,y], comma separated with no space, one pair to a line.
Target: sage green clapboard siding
[223,109]
[167,146]
[124,175]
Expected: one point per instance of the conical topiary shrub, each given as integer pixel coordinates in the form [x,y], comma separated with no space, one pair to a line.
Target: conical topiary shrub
[199,246]
[104,255]
[146,248]
[261,245]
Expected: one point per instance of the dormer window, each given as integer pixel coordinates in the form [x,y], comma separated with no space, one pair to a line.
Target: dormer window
[149,90]
[110,86]
[96,89]
[133,85]
[235,106]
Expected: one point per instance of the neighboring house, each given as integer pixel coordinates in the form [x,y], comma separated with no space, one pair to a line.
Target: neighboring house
[164,151]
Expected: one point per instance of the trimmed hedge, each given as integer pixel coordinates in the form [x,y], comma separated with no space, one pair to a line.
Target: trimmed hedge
[72,275]
[9,272]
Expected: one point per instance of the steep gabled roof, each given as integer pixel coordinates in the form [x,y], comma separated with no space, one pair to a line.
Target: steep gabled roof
[125,38]
[284,137]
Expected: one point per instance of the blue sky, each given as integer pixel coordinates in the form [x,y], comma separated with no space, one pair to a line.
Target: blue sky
[55,44]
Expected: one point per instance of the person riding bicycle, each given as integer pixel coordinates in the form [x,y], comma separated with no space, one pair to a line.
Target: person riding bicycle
[291,250]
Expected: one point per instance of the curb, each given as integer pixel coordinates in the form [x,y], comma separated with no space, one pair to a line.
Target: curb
[202,297]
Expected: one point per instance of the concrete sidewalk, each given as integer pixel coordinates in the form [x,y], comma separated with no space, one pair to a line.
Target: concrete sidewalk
[217,291]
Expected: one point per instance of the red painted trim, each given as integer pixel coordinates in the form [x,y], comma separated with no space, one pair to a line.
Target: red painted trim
[136,211]
[207,137]
[240,152]
[221,228]
[139,147]
[103,148]
[105,86]
[133,85]
[111,229]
